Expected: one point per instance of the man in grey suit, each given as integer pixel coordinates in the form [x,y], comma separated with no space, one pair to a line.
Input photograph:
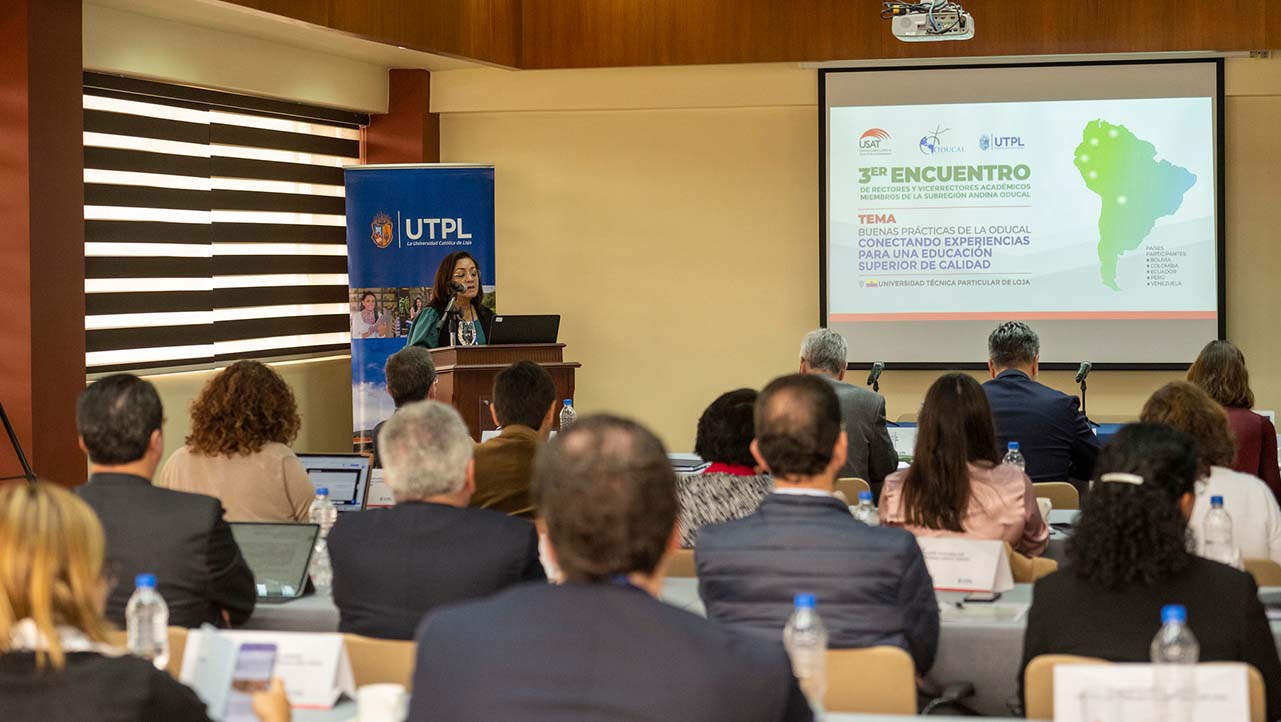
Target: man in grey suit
[871,454]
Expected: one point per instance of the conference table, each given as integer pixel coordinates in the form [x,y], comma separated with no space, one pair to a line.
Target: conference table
[345,711]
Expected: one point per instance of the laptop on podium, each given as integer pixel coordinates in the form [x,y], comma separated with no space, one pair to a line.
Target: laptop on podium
[509,329]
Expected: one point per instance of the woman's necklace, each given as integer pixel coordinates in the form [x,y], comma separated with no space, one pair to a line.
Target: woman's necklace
[368,316]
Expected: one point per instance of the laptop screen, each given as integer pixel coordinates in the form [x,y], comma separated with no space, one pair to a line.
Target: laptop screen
[345,475]
[278,555]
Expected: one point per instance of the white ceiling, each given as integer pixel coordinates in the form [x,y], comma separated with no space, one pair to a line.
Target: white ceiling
[244,21]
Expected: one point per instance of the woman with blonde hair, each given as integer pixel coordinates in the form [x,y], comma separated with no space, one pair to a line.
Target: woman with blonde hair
[238,451]
[55,663]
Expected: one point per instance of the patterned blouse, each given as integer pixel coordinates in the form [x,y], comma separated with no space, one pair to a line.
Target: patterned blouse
[716,496]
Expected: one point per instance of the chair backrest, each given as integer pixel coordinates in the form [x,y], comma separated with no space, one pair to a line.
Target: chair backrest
[177,646]
[875,680]
[1038,682]
[380,661]
[1060,493]
[1266,572]
[1038,685]
[850,486]
[682,564]
[1026,570]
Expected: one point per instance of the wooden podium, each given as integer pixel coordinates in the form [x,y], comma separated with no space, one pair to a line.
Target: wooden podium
[467,377]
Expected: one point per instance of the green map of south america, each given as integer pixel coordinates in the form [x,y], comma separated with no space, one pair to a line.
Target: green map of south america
[1135,189]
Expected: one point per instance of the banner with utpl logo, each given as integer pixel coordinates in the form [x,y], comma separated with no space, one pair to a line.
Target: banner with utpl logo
[402,221]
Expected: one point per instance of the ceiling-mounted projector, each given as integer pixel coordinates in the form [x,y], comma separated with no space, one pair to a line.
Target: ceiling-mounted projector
[928,20]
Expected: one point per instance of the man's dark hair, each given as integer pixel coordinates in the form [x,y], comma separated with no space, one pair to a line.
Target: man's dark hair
[726,429]
[115,416]
[1013,343]
[798,419]
[410,375]
[607,493]
[523,392]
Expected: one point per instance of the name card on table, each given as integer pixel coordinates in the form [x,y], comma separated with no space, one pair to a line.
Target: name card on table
[379,493]
[966,565]
[904,439]
[314,667]
[1127,693]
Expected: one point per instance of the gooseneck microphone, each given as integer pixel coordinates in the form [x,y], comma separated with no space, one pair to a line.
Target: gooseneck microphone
[874,376]
[455,288]
[1083,371]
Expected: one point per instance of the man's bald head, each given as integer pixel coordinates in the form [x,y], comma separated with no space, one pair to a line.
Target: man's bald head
[798,422]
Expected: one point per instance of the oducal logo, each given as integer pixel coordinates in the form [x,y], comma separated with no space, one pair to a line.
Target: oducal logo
[874,141]
[932,143]
[1001,142]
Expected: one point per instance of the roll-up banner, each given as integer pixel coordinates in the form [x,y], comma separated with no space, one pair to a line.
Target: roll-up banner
[402,220]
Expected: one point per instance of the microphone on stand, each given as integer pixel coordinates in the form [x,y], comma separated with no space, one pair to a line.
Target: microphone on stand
[455,288]
[874,376]
[1081,373]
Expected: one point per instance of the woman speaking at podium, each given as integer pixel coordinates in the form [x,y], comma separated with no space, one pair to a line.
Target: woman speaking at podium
[456,292]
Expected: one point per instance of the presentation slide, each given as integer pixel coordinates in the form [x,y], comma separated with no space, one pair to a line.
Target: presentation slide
[1093,219]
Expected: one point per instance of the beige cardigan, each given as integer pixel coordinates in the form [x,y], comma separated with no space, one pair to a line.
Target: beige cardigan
[270,485]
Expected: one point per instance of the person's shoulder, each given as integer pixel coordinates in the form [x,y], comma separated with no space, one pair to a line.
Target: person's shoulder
[275,450]
[456,621]
[1238,482]
[1218,578]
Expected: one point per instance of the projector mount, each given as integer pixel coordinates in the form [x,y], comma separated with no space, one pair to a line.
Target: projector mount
[928,20]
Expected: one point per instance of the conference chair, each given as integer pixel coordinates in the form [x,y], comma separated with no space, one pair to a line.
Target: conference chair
[177,645]
[907,418]
[682,564]
[1038,685]
[849,487]
[1266,572]
[874,680]
[1026,570]
[380,661]
[1060,493]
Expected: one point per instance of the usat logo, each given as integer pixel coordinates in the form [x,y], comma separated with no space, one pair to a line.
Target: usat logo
[382,230]
[874,141]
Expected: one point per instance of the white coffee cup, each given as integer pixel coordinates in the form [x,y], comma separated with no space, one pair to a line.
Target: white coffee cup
[382,703]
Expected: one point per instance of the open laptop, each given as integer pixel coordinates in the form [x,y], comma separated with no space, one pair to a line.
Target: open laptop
[278,555]
[508,329]
[345,475]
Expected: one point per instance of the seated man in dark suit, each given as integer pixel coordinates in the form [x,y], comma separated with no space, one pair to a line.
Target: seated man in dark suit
[181,538]
[411,376]
[870,455]
[523,404]
[392,566]
[1054,437]
[871,583]
[599,647]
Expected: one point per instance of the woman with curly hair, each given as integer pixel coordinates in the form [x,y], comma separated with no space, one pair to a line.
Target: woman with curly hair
[1256,518]
[1129,556]
[733,486]
[1220,370]
[238,451]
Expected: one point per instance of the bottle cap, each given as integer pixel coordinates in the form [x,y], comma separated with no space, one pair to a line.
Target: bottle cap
[322,491]
[804,601]
[1174,613]
[569,402]
[1216,500]
[1014,446]
[145,581]
[865,496]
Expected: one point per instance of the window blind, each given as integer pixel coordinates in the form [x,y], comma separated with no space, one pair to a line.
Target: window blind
[214,226]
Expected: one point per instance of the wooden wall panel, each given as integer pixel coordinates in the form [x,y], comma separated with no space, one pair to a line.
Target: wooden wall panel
[485,30]
[592,33]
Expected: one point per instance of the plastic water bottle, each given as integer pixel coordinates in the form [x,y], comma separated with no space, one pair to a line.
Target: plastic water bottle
[147,622]
[866,511]
[1216,531]
[567,416]
[323,512]
[806,642]
[1014,456]
[1175,653]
